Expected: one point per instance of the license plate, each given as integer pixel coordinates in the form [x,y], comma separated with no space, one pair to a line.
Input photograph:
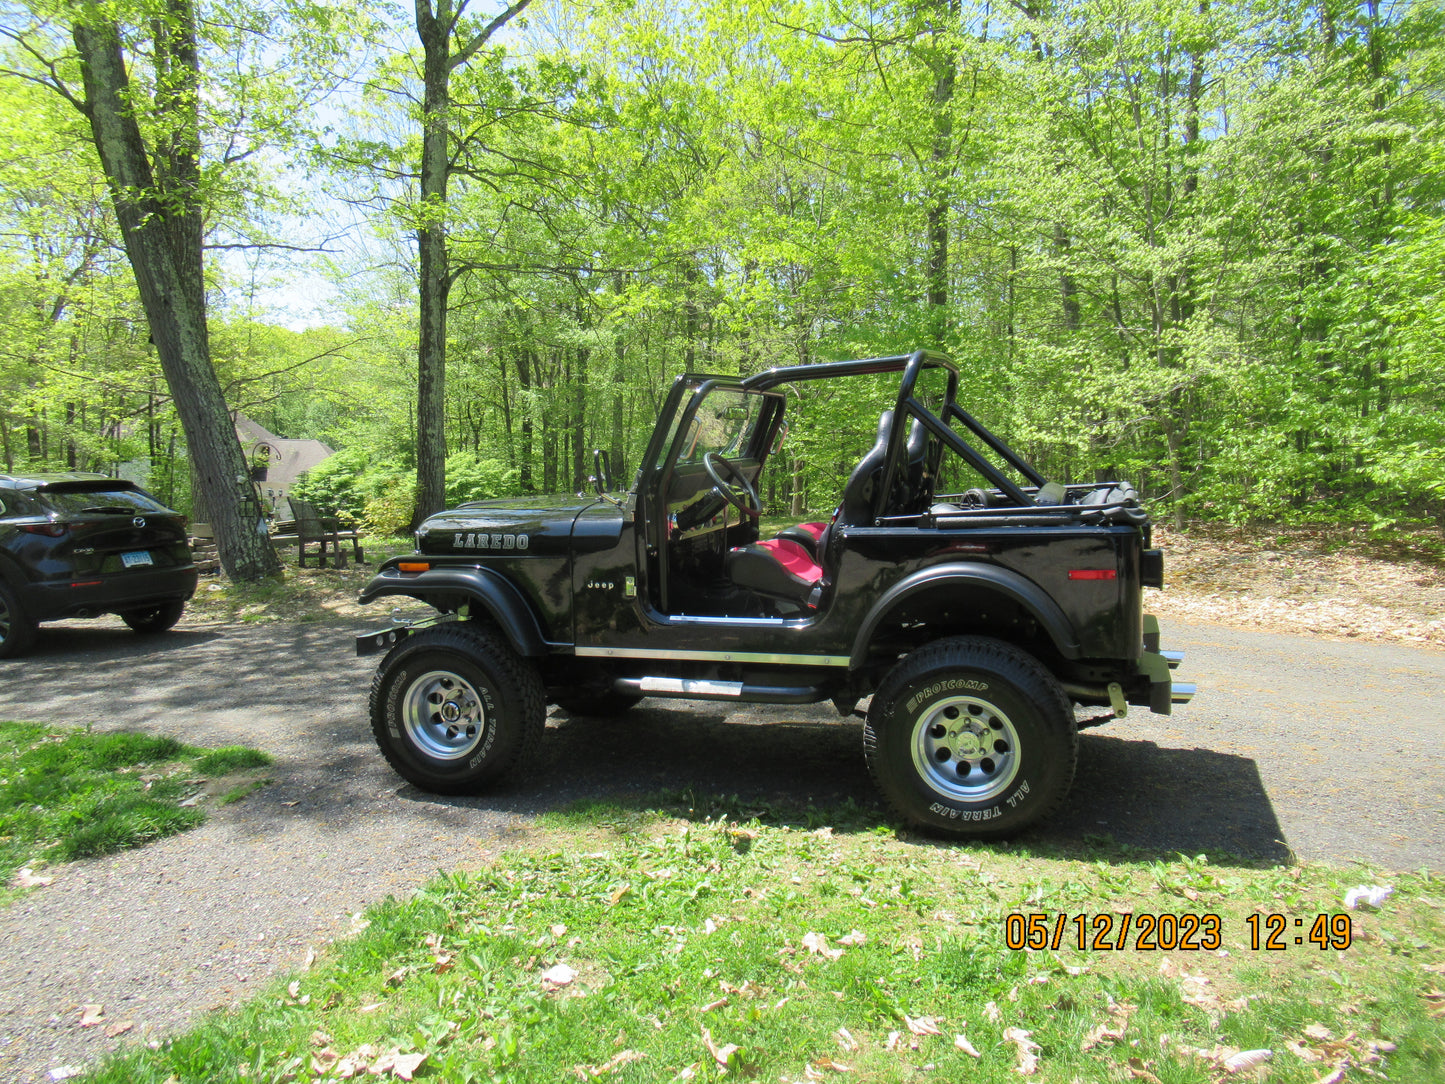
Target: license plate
[136,560]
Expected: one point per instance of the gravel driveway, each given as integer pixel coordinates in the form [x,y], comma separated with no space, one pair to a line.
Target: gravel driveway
[1295,746]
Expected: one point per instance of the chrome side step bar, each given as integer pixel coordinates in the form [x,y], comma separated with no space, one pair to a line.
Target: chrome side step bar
[708,689]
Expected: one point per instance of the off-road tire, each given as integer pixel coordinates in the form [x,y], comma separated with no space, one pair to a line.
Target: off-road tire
[455,709]
[971,737]
[154,619]
[607,705]
[17,631]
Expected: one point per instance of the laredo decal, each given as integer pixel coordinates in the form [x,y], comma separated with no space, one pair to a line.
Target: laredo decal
[471,540]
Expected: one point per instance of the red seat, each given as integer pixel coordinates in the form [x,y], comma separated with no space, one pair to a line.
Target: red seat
[778,567]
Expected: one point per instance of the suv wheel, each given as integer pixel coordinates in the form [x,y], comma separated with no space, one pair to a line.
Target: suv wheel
[17,632]
[454,708]
[153,619]
[971,737]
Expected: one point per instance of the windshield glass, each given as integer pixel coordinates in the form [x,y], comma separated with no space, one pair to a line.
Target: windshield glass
[723,425]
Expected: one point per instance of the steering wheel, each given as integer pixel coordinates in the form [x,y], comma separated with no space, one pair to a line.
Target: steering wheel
[732,484]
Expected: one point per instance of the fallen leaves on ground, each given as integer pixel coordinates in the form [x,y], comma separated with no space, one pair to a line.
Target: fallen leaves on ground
[720,1054]
[592,1072]
[1025,1048]
[922,1025]
[558,976]
[366,1059]
[817,944]
[1112,1030]
[441,960]
[962,1043]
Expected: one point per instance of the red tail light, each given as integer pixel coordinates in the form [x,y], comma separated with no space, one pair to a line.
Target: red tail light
[49,530]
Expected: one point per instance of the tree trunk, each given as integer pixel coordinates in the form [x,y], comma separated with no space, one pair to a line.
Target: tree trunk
[160,219]
[435,29]
[524,385]
[945,74]
[435,285]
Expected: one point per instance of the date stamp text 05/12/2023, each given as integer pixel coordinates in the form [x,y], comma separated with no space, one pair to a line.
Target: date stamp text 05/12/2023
[1146,931]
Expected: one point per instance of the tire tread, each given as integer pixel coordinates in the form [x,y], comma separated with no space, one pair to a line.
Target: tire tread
[978,652]
[471,641]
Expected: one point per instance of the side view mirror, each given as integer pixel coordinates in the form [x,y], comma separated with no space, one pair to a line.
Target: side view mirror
[601,471]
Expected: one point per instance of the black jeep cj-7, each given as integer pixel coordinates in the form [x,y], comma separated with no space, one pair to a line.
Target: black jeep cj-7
[974,618]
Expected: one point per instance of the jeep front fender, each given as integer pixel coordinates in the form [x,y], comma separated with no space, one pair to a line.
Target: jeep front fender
[939,580]
[481,587]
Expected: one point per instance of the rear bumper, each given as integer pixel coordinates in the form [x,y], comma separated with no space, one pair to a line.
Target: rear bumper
[1163,692]
[92,595]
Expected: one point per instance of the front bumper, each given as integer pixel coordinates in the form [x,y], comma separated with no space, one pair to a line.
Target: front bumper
[379,640]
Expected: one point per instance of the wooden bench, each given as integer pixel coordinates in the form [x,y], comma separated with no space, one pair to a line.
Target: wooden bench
[311,528]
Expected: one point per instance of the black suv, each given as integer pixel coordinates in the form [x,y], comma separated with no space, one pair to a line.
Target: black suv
[973,599]
[80,545]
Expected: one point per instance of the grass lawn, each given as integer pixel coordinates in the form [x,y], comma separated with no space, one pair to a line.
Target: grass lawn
[68,793]
[671,941]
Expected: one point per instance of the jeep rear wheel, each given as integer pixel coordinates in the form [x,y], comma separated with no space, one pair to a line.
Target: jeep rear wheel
[971,737]
[454,708]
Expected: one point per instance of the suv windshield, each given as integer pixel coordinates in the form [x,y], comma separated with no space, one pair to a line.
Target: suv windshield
[98,500]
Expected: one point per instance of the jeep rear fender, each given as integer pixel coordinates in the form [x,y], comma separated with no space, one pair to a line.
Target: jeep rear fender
[936,583]
[448,588]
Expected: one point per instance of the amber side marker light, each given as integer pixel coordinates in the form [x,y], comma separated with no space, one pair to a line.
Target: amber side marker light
[414,566]
[1093,574]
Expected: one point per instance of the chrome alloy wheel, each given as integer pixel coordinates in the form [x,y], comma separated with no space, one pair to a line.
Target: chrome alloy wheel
[966,749]
[443,715]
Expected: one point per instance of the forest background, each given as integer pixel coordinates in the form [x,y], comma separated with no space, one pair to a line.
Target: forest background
[1192,243]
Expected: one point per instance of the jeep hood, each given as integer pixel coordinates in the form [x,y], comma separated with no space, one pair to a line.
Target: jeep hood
[523,526]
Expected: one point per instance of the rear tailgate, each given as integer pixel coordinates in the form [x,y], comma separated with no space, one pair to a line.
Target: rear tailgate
[115,529]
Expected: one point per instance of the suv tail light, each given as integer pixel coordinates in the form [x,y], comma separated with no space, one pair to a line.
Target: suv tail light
[49,530]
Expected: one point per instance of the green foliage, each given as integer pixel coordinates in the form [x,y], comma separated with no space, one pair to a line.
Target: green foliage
[660,947]
[1197,249]
[472,478]
[389,513]
[232,758]
[78,793]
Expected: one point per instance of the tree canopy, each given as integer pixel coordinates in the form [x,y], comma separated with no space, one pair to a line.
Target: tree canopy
[1196,245]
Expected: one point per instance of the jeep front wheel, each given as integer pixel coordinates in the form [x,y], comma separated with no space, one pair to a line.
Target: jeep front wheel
[454,708]
[971,737]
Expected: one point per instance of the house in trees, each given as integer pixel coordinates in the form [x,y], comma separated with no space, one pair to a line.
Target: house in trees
[276,462]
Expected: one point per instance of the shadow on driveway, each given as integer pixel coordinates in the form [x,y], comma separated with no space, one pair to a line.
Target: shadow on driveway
[299,692]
